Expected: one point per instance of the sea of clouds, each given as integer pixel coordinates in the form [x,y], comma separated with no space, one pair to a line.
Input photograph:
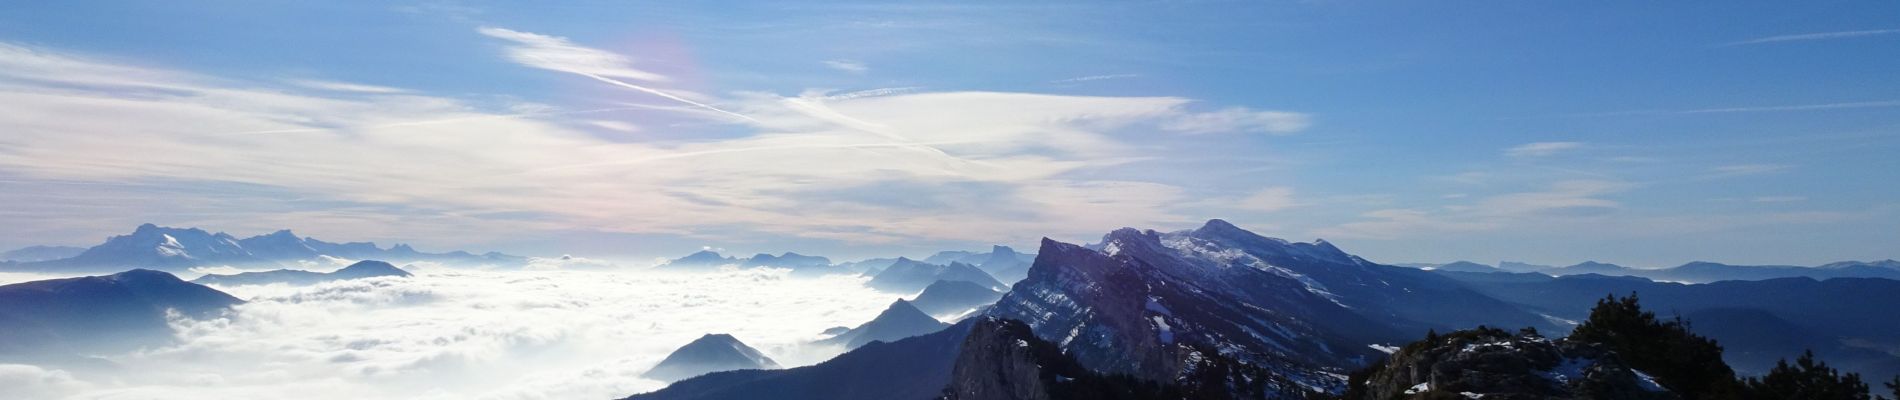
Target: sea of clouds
[465,334]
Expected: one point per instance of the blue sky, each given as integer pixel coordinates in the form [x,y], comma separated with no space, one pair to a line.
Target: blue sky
[1639,133]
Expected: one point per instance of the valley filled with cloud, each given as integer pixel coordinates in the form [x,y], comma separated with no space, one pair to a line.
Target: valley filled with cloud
[465,334]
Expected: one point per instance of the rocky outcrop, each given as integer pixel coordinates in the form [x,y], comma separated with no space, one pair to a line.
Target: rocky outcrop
[1494,364]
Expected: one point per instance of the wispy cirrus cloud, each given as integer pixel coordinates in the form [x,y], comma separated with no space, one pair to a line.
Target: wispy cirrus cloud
[415,166]
[1556,201]
[1816,36]
[852,66]
[558,54]
[1238,120]
[1092,78]
[345,86]
[1746,170]
[1541,149]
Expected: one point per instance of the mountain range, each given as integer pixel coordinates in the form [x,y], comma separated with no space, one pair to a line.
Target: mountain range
[1211,307]
[179,249]
[1000,263]
[359,270]
[1758,322]
[1220,312]
[1693,272]
[40,253]
[951,298]
[909,276]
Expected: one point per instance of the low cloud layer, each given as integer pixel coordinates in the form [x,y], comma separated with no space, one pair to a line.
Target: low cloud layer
[466,335]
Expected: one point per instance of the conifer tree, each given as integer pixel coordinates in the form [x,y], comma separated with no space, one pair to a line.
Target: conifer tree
[1806,379]
[1687,364]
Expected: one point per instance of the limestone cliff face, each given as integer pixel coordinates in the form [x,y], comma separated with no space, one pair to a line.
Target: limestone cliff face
[1494,364]
[999,362]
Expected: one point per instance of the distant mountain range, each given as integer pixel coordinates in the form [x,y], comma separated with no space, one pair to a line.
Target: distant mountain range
[359,270]
[909,276]
[1694,272]
[710,353]
[99,314]
[40,253]
[179,249]
[1757,322]
[949,298]
[1001,262]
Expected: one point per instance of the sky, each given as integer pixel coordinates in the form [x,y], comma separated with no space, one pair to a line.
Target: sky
[1631,132]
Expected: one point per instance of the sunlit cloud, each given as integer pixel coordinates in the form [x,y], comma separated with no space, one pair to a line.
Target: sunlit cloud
[558,54]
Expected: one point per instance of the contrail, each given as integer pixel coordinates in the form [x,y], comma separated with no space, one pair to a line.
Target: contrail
[617,82]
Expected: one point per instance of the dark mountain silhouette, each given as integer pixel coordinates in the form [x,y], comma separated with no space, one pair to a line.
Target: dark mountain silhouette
[1703,272]
[1466,266]
[359,270]
[900,320]
[913,368]
[909,276]
[1514,266]
[700,260]
[710,353]
[1591,267]
[100,313]
[954,297]
[178,249]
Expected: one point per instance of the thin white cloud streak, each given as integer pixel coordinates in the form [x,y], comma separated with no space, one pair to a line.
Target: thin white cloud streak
[450,334]
[1092,78]
[1803,107]
[1239,120]
[447,120]
[1562,200]
[669,96]
[558,54]
[346,86]
[1817,36]
[1541,149]
[851,66]
[1746,169]
[1755,109]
